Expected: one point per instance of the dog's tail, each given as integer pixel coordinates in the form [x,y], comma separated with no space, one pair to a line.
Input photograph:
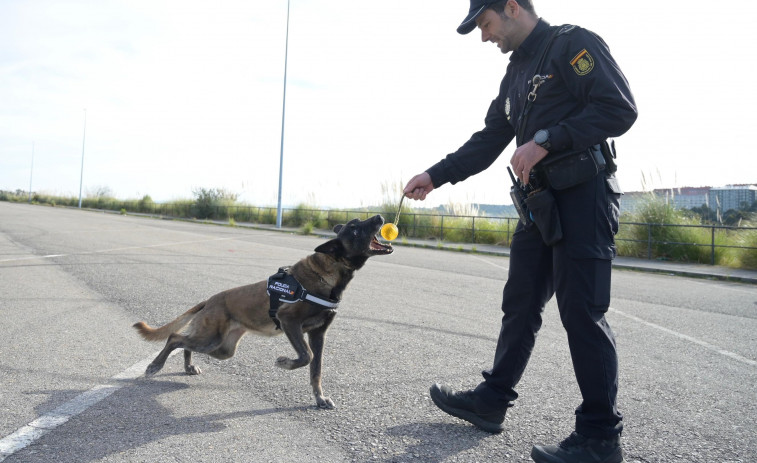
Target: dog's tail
[158,334]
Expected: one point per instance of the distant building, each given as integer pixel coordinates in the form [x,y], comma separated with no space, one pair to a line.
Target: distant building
[722,198]
[732,197]
[631,201]
[685,197]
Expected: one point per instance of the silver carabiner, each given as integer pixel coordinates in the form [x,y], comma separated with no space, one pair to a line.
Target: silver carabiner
[537,81]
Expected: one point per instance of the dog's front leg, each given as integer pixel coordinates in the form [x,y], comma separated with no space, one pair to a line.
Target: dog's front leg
[297,339]
[317,340]
[188,367]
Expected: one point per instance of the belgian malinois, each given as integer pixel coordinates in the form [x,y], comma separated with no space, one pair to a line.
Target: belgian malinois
[216,326]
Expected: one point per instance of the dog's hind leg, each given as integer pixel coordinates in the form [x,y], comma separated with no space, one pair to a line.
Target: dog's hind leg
[228,347]
[189,344]
[297,339]
[174,342]
[317,339]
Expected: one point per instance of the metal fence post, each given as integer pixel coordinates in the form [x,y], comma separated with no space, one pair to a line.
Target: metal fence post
[712,247]
[649,241]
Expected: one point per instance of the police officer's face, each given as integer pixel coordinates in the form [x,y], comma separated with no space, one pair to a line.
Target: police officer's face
[498,29]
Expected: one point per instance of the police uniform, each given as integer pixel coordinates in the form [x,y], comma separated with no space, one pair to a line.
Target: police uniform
[584,100]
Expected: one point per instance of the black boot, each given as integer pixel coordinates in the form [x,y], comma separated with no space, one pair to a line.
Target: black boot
[579,449]
[467,406]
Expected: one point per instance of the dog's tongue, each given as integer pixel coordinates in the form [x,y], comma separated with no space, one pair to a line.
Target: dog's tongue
[377,246]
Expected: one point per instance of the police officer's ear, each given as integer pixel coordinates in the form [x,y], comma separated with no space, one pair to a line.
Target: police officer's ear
[514,10]
[511,9]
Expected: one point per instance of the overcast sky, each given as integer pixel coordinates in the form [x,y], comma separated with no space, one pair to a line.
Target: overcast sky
[187,94]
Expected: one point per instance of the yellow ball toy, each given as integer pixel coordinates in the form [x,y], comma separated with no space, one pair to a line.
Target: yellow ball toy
[389,231]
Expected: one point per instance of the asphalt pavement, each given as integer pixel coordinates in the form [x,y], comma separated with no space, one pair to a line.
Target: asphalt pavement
[71,388]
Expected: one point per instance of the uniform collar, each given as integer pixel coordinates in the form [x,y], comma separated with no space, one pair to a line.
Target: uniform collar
[532,44]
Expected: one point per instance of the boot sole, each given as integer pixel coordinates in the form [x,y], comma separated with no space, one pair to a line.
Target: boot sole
[539,456]
[488,426]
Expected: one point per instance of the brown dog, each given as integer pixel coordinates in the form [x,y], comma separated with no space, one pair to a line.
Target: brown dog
[217,325]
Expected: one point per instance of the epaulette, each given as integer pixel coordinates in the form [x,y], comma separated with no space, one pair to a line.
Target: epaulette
[566,29]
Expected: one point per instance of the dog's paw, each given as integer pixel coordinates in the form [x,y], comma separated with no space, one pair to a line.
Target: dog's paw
[284,362]
[193,370]
[325,403]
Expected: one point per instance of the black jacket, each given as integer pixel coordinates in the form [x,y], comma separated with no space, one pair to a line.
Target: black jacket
[586,101]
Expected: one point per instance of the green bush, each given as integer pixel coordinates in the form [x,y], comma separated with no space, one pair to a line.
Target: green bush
[659,231]
[146,204]
[210,202]
[301,215]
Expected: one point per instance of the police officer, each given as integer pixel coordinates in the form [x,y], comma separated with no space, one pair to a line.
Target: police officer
[583,100]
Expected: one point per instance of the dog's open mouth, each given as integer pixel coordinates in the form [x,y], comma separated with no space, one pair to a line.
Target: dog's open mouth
[380,248]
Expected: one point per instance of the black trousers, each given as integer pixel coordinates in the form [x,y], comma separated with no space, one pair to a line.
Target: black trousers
[577,271]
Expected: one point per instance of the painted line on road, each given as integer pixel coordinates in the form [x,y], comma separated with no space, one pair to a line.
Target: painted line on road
[26,435]
[685,337]
[50,256]
[489,262]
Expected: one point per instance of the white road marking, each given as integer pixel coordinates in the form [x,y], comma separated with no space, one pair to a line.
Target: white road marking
[685,337]
[24,436]
[488,262]
[50,256]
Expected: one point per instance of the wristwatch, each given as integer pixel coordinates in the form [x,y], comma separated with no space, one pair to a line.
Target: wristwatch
[541,138]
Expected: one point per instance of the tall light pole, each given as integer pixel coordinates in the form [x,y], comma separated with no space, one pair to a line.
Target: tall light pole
[84,137]
[283,112]
[31,175]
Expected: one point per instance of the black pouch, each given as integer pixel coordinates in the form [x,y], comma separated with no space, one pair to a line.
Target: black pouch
[570,168]
[543,211]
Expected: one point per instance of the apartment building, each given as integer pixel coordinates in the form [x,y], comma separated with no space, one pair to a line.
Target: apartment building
[723,198]
[732,197]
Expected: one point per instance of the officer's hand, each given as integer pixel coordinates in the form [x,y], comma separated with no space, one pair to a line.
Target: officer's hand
[525,158]
[419,186]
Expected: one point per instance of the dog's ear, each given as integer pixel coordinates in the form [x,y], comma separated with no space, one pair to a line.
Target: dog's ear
[337,228]
[332,247]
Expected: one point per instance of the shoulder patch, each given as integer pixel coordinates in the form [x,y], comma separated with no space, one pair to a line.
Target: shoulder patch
[582,63]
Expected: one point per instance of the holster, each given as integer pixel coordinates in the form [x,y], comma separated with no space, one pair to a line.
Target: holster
[542,209]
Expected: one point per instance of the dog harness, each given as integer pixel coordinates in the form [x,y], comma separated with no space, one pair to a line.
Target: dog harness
[283,287]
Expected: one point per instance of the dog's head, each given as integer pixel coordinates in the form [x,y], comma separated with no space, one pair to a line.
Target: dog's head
[356,241]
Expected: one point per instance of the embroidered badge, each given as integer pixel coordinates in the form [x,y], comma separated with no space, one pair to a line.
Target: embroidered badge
[582,63]
[507,108]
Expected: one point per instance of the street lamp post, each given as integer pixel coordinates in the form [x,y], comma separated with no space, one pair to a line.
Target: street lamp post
[283,112]
[31,175]
[84,137]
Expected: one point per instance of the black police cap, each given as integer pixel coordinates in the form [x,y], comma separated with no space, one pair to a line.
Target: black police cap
[476,8]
